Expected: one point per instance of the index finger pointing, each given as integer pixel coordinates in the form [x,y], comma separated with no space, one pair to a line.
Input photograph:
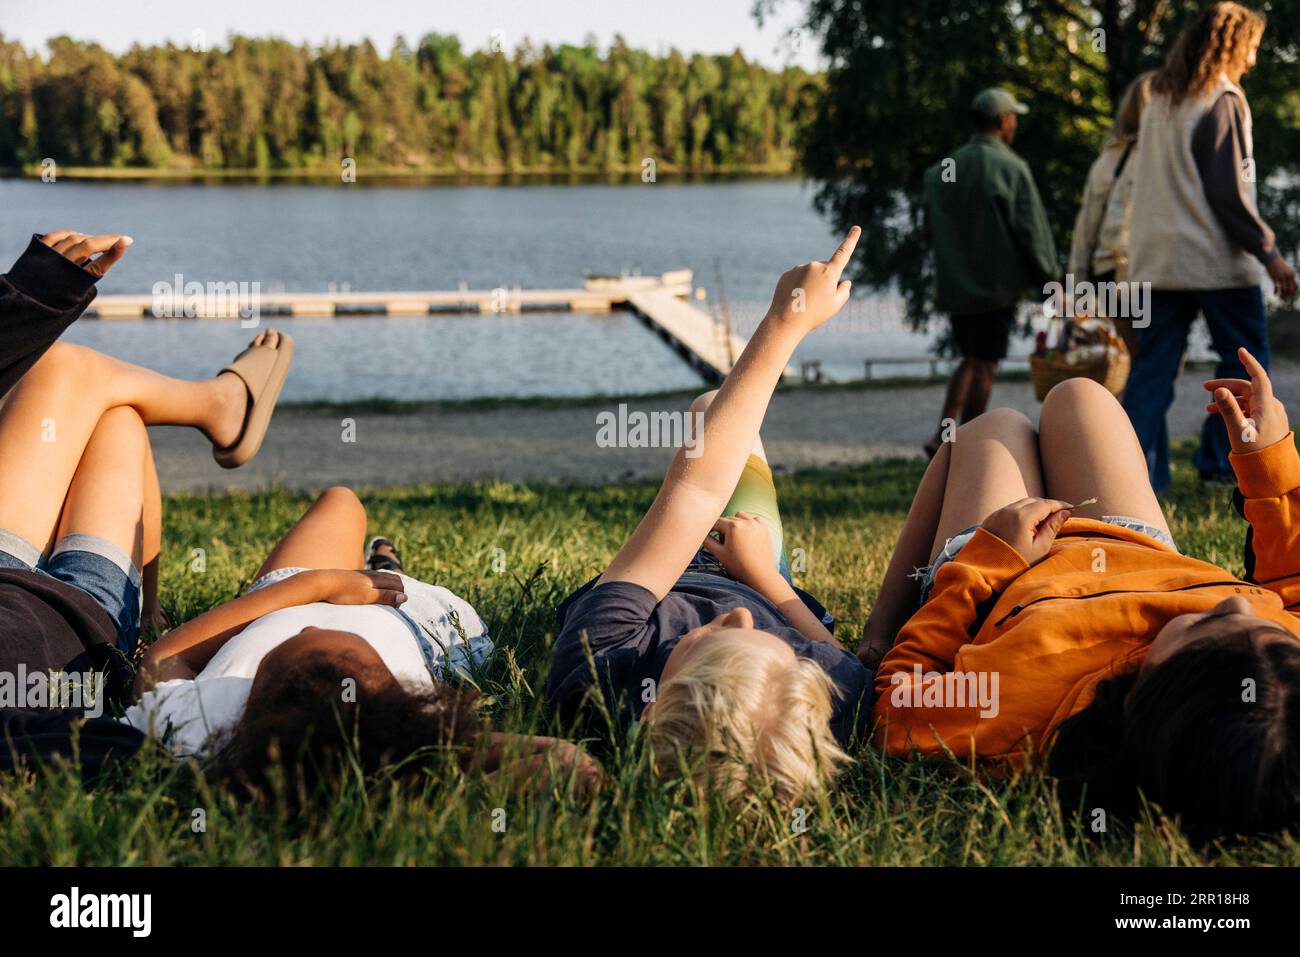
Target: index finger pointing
[1258,375]
[841,257]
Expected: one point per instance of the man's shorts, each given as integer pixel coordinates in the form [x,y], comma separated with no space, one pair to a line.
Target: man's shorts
[91,564]
[984,335]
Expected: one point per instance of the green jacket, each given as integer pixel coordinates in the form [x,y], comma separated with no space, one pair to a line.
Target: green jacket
[992,242]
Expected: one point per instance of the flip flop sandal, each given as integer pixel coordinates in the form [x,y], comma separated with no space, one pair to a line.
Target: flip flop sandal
[376,562]
[263,370]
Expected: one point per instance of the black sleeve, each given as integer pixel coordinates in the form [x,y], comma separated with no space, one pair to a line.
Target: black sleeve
[598,649]
[40,296]
[1220,150]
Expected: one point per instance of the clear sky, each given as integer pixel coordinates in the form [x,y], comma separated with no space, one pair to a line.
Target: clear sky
[707,26]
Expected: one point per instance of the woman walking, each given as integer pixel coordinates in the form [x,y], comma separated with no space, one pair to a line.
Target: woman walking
[1197,236]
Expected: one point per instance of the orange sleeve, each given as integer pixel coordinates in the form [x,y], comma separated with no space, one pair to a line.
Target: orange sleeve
[1269,480]
[927,646]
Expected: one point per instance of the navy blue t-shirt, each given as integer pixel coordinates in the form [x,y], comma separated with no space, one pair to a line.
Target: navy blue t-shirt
[630,637]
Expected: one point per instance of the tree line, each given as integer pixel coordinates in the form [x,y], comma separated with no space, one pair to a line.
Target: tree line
[268,105]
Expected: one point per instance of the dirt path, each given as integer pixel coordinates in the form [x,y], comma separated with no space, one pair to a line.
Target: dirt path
[804,429]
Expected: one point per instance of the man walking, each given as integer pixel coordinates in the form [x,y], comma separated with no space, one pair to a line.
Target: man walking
[992,244]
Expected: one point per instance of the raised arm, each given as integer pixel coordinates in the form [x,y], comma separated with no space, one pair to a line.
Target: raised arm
[183,651]
[1268,477]
[47,290]
[695,490]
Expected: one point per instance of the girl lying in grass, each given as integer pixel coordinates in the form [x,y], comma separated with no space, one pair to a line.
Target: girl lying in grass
[705,638]
[80,509]
[323,659]
[1138,669]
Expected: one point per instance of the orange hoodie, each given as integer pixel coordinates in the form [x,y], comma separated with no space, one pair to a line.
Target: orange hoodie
[1003,652]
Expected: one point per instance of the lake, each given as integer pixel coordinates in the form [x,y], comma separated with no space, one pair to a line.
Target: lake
[738,236]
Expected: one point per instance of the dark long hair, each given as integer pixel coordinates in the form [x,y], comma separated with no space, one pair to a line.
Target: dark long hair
[299,723]
[1211,735]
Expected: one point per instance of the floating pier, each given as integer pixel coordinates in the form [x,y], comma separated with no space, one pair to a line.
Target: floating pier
[662,302]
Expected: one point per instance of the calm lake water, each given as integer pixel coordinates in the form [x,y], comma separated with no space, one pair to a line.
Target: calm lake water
[737,234]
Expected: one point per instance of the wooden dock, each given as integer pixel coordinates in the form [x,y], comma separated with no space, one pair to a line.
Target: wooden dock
[662,302]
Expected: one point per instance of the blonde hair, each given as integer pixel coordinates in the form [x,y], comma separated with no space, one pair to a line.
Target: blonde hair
[1128,118]
[1218,42]
[737,718]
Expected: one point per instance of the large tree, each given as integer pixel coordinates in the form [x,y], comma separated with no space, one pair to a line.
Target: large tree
[902,74]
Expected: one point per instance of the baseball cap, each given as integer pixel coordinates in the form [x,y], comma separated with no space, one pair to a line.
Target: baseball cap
[995,101]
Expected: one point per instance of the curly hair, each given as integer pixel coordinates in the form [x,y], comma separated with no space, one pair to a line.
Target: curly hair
[299,724]
[1218,41]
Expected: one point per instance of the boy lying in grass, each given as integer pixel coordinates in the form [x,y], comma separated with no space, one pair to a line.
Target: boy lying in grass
[1133,668]
[705,639]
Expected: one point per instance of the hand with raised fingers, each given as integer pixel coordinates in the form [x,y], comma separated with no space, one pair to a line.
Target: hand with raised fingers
[1253,415]
[1029,525]
[95,254]
[1283,276]
[810,294]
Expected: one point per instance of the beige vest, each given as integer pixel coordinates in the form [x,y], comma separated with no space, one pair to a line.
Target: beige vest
[1176,241]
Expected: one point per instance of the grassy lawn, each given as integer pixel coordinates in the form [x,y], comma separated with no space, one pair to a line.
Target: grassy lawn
[552,539]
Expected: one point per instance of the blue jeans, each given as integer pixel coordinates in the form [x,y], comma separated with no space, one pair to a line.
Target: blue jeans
[92,564]
[1236,318]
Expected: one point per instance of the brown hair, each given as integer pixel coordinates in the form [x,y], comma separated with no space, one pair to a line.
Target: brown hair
[298,723]
[1218,41]
[1128,117]
[1184,735]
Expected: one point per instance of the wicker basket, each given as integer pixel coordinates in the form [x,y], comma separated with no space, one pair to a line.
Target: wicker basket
[1111,370]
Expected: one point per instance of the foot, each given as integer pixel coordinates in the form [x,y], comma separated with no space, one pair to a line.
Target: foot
[232,399]
[382,556]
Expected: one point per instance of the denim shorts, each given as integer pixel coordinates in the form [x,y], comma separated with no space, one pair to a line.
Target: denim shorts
[954,545]
[448,651]
[90,564]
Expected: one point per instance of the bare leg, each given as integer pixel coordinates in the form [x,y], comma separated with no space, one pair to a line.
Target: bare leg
[106,497]
[981,387]
[954,400]
[1089,450]
[991,462]
[151,518]
[48,418]
[330,534]
[899,591]
[994,463]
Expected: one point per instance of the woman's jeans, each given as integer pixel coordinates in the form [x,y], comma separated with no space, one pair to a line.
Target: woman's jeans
[1236,318]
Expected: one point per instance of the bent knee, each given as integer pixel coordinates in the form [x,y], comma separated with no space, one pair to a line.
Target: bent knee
[65,360]
[703,401]
[998,422]
[342,499]
[1075,391]
[122,426]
